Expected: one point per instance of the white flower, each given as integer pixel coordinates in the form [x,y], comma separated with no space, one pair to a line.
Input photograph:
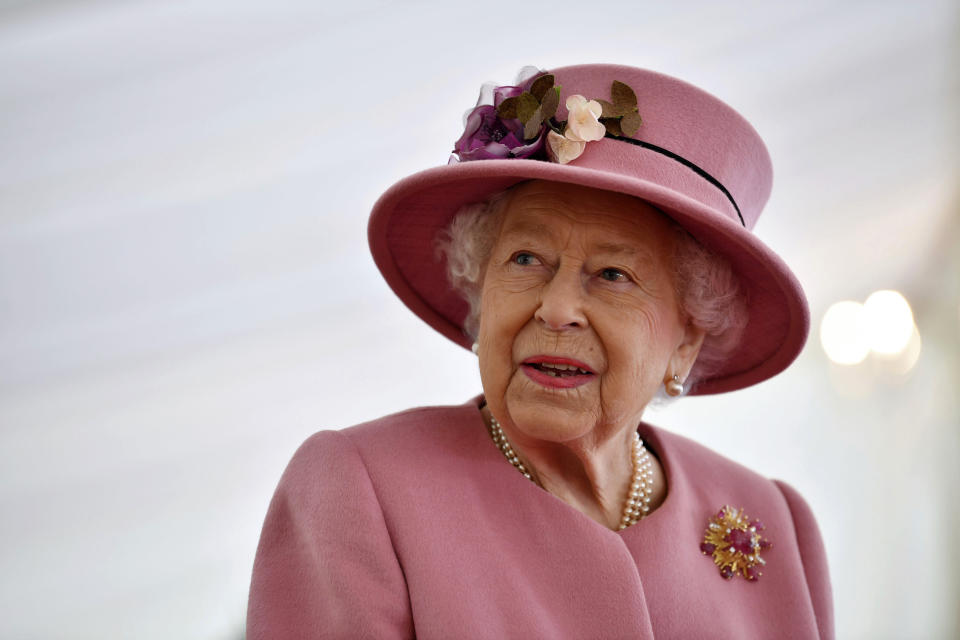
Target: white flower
[562,149]
[582,120]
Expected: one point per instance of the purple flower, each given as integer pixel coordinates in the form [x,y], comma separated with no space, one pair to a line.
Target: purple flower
[486,136]
[499,94]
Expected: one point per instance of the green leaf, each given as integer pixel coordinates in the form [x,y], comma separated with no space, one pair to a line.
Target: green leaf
[623,96]
[540,86]
[630,123]
[508,109]
[613,126]
[610,110]
[532,128]
[549,103]
[526,105]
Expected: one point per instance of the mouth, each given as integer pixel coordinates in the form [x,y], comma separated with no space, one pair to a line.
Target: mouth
[552,371]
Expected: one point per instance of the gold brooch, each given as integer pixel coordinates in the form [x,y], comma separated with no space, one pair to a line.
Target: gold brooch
[735,543]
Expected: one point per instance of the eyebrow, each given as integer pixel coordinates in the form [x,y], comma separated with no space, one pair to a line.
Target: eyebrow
[528,228]
[618,247]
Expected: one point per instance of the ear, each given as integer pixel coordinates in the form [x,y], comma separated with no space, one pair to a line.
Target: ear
[686,352]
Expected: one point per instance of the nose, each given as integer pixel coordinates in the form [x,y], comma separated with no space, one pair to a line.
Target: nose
[562,303]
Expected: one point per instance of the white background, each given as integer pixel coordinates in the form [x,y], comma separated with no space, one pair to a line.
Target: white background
[186,292]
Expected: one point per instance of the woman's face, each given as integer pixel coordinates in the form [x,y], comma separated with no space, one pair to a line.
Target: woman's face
[579,322]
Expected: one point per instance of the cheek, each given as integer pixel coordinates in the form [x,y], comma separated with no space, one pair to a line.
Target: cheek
[503,315]
[638,358]
[506,305]
[499,317]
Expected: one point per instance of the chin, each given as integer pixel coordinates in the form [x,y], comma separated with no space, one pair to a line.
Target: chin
[553,421]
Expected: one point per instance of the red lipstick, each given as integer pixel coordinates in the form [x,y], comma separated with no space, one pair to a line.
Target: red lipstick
[557,372]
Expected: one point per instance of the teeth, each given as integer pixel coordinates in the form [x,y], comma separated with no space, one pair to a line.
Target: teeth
[547,367]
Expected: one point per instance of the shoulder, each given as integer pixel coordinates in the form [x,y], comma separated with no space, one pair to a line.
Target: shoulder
[690,461]
[392,446]
[712,476]
[433,431]
[418,424]
[680,449]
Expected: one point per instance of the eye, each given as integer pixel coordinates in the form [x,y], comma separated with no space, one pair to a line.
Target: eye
[613,275]
[523,258]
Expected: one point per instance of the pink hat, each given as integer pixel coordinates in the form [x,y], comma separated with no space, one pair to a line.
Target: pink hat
[693,157]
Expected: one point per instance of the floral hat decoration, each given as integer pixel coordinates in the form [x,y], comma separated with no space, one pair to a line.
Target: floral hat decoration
[520,123]
[619,129]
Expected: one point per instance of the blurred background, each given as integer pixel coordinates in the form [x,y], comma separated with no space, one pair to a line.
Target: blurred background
[186,292]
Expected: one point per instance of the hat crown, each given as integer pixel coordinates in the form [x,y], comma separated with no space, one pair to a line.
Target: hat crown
[683,120]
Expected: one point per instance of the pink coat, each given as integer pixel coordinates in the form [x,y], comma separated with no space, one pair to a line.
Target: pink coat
[415,525]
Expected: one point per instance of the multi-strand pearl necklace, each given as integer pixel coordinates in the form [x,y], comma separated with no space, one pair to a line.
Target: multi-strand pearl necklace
[637,504]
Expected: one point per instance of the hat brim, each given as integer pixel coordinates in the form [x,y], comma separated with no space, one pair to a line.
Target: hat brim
[405,221]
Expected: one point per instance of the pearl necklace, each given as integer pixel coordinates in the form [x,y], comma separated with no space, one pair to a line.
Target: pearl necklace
[637,505]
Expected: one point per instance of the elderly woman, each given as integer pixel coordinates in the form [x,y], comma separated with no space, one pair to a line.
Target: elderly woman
[592,243]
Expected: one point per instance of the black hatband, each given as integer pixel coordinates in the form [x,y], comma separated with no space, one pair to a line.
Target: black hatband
[703,174]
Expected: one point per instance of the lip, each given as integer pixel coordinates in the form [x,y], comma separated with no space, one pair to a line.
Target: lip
[544,359]
[556,382]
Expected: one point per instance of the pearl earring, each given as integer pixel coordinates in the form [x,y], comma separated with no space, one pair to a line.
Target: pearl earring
[475,348]
[673,386]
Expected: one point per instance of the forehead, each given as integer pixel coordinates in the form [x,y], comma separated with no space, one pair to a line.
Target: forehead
[580,214]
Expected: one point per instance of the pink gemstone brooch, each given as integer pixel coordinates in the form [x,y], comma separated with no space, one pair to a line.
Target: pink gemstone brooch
[735,543]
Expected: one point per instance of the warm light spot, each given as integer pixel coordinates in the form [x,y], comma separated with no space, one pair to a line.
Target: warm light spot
[889,322]
[902,362]
[843,334]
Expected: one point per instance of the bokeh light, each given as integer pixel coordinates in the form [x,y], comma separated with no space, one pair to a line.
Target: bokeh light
[842,333]
[888,321]
[883,325]
[900,364]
